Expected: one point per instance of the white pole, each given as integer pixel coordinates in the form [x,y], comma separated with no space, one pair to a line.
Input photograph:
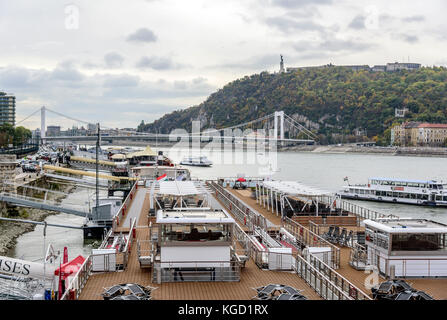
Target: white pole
[281,124]
[275,127]
[42,125]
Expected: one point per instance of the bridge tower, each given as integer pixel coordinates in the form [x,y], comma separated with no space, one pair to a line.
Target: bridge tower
[279,115]
[42,125]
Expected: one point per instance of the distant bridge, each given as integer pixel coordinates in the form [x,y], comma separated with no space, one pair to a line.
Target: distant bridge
[248,132]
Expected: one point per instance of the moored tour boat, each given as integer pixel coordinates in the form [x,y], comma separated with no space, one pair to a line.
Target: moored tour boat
[416,192]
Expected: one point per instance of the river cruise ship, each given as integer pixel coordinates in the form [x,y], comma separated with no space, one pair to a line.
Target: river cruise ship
[416,192]
[201,161]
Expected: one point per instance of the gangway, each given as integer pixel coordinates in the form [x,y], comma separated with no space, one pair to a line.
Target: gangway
[31,202]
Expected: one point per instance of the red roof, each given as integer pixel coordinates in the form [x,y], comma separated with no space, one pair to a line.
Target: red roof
[433,125]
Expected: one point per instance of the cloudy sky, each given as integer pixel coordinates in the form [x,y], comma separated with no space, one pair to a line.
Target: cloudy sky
[120,62]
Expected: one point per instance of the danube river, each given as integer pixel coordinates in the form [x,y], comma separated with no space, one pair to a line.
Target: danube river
[325,171]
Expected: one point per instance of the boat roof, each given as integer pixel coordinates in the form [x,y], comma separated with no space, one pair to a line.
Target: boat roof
[119,156]
[146,152]
[407,181]
[180,188]
[407,225]
[196,215]
[294,188]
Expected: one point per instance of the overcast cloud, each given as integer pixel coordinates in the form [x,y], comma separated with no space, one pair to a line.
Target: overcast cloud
[123,62]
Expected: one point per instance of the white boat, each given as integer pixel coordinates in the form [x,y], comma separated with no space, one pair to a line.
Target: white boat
[417,192]
[201,161]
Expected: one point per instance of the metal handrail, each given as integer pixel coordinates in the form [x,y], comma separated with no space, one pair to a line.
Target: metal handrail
[79,280]
[318,281]
[245,214]
[338,279]
[311,239]
[223,271]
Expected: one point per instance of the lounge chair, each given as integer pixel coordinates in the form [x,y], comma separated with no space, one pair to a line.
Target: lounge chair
[328,234]
[335,235]
[348,238]
[342,237]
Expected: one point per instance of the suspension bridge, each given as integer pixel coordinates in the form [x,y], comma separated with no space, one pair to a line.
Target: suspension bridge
[272,128]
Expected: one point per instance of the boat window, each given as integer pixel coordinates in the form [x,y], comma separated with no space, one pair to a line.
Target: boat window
[445,198]
[418,242]
[389,194]
[378,193]
[425,197]
[196,232]
[438,198]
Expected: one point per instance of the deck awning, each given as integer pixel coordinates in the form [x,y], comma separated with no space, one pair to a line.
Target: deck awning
[179,188]
[293,188]
[144,153]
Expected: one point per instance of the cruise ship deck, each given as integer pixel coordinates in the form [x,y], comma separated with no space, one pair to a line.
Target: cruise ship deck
[437,288]
[251,275]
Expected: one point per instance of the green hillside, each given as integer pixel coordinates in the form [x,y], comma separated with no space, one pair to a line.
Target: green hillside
[338,99]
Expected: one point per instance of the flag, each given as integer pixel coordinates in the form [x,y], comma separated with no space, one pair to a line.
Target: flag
[162,177]
[345,179]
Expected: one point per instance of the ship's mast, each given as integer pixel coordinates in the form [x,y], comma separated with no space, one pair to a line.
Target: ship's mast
[97,171]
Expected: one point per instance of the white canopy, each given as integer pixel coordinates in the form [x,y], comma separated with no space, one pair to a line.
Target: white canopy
[294,188]
[179,188]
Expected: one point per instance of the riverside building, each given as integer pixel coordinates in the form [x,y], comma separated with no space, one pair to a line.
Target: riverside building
[7,108]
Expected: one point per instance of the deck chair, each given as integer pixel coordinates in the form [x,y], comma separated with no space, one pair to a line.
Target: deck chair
[342,237]
[348,238]
[335,234]
[328,234]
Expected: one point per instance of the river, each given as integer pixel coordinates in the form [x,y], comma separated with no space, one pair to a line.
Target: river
[325,171]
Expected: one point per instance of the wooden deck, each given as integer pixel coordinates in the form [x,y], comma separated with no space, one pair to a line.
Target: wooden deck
[435,287]
[251,277]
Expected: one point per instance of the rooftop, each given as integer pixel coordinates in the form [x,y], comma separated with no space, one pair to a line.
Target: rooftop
[407,180]
[407,225]
[294,188]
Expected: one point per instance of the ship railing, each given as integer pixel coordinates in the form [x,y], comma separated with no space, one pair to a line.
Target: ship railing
[308,238]
[237,208]
[359,211]
[146,253]
[243,243]
[182,271]
[78,282]
[358,257]
[123,257]
[404,268]
[318,281]
[122,211]
[334,277]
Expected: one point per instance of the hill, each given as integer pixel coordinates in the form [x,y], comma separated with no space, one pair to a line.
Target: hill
[335,100]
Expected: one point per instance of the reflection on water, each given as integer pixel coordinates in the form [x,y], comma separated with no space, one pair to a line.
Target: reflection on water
[325,171]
